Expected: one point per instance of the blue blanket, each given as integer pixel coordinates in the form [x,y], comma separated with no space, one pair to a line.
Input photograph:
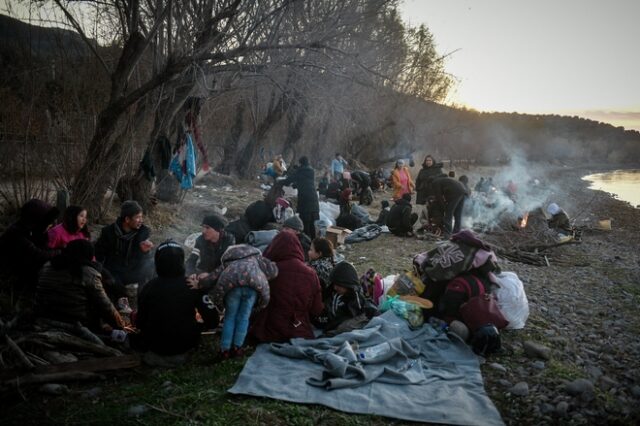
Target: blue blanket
[442,384]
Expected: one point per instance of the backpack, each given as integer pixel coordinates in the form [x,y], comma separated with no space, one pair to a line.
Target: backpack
[457,292]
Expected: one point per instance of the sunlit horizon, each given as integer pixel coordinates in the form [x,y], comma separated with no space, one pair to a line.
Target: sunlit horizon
[569,58]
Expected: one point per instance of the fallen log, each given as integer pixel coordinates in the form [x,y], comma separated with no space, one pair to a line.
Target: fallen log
[18,352]
[65,339]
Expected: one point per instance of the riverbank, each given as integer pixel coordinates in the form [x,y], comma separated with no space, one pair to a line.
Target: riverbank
[586,316]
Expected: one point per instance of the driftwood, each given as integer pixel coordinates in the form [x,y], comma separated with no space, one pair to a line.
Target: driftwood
[86,334]
[64,339]
[77,329]
[24,360]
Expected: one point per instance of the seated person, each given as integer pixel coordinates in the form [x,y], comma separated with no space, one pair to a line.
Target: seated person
[295,295]
[323,185]
[294,224]
[73,227]
[23,246]
[167,308]
[239,284]
[206,255]
[346,218]
[559,220]
[400,219]
[124,249]
[70,289]
[348,308]
[321,259]
[384,212]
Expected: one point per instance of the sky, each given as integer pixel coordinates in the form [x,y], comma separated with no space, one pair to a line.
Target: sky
[569,57]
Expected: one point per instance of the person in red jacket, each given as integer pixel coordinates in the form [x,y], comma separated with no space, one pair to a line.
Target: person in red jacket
[295,294]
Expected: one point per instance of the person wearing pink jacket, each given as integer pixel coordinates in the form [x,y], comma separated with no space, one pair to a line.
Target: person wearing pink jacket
[73,227]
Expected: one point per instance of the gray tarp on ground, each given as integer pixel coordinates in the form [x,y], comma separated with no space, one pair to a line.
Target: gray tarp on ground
[451,391]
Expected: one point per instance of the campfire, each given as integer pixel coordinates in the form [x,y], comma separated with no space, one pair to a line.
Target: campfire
[522,220]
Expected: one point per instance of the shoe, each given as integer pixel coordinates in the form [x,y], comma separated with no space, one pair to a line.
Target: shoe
[237,352]
[224,355]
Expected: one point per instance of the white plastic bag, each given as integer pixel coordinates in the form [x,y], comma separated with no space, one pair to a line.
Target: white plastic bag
[512,300]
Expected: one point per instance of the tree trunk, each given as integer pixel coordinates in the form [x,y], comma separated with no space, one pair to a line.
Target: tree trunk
[230,147]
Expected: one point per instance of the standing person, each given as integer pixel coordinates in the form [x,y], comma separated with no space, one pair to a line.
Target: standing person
[70,289]
[321,259]
[73,227]
[337,166]
[240,283]
[167,308]
[362,186]
[206,255]
[402,182]
[430,170]
[124,249]
[23,246]
[308,206]
[449,195]
[295,295]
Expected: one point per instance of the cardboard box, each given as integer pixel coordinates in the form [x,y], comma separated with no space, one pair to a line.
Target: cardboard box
[337,234]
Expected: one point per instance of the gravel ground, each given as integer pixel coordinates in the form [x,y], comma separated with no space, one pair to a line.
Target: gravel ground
[576,361]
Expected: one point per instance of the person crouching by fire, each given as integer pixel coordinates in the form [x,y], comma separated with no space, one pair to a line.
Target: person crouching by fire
[559,220]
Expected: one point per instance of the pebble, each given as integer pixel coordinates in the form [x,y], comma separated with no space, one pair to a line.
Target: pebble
[54,389]
[92,393]
[536,350]
[605,383]
[562,408]
[545,408]
[498,367]
[538,365]
[594,372]
[137,410]
[520,389]
[579,386]
[505,383]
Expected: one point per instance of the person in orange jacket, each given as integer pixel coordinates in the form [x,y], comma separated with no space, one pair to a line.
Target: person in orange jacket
[402,181]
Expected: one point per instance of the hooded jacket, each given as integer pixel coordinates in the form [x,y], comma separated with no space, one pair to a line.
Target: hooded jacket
[399,217]
[23,246]
[243,266]
[119,251]
[295,294]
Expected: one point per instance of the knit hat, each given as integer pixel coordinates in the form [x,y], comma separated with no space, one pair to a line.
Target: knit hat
[169,259]
[130,208]
[406,196]
[399,163]
[345,275]
[295,223]
[553,209]
[215,221]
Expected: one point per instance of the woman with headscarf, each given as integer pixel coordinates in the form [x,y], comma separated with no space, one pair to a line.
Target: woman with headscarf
[402,182]
[73,227]
[295,294]
[70,289]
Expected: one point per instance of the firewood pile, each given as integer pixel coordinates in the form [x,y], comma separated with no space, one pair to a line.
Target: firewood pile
[51,351]
[528,239]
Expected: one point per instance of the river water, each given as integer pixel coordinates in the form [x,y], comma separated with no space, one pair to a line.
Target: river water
[623,184]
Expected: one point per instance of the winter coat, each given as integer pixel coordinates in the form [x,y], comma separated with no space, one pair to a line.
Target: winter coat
[207,256]
[399,217]
[166,315]
[345,307]
[120,253]
[446,190]
[423,182]
[295,295]
[561,223]
[242,266]
[304,179]
[23,246]
[398,189]
[59,237]
[62,296]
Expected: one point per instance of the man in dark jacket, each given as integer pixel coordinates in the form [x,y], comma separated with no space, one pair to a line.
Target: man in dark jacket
[124,249]
[362,186]
[206,256]
[400,219]
[348,308]
[449,195]
[23,246]
[308,207]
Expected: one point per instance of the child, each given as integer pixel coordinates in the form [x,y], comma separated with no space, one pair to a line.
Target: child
[240,281]
[321,260]
[348,308]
